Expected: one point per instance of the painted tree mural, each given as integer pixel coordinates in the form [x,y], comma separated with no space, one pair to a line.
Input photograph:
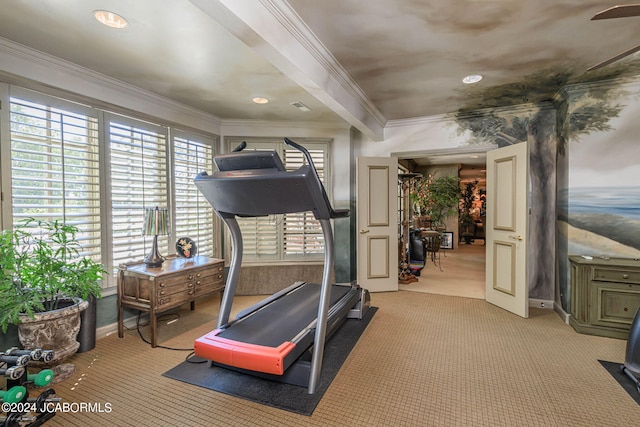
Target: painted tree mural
[546,118]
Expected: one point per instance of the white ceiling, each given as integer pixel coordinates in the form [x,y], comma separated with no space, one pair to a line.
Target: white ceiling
[364,62]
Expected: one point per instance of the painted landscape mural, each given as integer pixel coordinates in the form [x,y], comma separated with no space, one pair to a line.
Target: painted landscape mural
[599,197]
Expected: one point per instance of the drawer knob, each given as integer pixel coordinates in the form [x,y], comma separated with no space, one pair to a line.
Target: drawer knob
[190,276]
[191,292]
[162,292]
[162,284]
[625,276]
[626,309]
[198,282]
[219,268]
[219,276]
[198,275]
[190,285]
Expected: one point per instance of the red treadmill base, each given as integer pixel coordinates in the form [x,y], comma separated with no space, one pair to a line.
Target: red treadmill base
[253,357]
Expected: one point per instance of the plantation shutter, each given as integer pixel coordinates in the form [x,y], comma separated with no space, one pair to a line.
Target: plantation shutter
[285,237]
[302,233]
[194,216]
[260,235]
[55,165]
[138,180]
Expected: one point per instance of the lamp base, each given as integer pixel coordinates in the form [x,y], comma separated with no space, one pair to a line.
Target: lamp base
[154,259]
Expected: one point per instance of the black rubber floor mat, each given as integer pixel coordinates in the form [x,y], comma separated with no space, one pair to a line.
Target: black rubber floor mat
[283,396]
[614,368]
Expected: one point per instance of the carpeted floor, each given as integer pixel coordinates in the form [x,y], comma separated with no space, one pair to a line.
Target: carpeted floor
[424,360]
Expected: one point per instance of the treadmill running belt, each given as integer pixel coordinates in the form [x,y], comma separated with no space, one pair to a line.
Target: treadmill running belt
[263,341]
[284,318]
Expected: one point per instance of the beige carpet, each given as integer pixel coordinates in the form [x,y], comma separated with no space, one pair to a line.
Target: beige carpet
[425,360]
[457,272]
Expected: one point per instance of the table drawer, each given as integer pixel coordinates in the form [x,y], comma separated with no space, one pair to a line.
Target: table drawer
[178,298]
[215,285]
[619,275]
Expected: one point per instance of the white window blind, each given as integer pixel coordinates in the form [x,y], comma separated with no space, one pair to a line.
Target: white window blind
[55,166]
[295,236]
[138,153]
[302,233]
[194,216]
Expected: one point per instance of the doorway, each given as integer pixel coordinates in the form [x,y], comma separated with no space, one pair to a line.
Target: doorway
[460,270]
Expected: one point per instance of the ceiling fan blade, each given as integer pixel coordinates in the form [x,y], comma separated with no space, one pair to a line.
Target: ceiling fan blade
[620,11]
[614,58]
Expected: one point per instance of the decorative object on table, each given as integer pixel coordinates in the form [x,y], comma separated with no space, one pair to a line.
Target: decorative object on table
[44,285]
[155,223]
[186,247]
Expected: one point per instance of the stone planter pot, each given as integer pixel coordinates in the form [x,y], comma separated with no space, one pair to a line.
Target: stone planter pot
[53,330]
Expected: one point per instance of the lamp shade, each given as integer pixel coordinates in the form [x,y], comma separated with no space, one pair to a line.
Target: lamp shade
[156,222]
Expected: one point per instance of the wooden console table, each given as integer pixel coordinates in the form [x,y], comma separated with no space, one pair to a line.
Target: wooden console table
[605,295]
[158,289]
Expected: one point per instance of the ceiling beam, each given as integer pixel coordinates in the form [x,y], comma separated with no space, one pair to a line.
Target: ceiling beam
[276,32]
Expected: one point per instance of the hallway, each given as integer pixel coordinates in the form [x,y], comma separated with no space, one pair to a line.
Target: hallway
[463,273]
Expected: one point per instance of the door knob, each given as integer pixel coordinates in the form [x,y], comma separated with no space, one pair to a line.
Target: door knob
[518,237]
[364,231]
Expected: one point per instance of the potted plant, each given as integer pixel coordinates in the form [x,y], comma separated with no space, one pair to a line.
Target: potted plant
[438,198]
[44,284]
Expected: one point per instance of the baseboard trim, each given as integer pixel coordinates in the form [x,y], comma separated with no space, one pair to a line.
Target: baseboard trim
[130,323]
[563,314]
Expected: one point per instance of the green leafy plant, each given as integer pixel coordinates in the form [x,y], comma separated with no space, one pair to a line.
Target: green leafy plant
[438,198]
[42,269]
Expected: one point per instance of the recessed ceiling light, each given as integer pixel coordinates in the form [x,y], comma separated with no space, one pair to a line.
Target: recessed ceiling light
[110,19]
[474,156]
[259,100]
[473,78]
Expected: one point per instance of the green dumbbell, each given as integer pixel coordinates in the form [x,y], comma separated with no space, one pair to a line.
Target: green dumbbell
[14,395]
[42,378]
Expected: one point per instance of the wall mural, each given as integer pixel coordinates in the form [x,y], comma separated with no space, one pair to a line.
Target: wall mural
[591,132]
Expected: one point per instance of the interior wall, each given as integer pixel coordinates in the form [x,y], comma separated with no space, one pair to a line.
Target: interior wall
[599,184]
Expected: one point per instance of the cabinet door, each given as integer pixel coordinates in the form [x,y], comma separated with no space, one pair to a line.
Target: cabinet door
[614,304]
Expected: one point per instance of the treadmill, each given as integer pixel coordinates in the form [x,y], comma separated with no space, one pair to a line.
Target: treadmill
[282,337]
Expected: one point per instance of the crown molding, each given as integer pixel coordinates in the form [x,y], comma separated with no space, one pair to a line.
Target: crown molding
[292,22]
[448,117]
[277,33]
[225,123]
[32,69]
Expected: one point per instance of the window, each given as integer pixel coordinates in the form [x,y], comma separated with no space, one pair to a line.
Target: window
[55,166]
[289,237]
[99,171]
[194,216]
[138,180]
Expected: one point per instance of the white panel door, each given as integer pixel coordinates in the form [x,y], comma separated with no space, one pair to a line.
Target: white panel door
[506,229]
[377,222]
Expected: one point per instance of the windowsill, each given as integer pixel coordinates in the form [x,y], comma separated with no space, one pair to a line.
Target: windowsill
[276,263]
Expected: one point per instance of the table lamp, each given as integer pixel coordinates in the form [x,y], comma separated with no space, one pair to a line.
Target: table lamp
[155,223]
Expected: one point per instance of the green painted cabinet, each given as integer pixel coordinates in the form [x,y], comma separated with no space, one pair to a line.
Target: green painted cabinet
[605,295]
